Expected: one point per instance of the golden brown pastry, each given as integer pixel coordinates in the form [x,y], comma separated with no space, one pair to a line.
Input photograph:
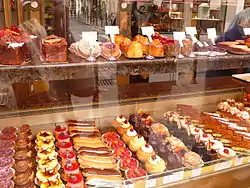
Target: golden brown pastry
[136,143]
[155,164]
[144,42]
[156,48]
[135,50]
[145,152]
[96,164]
[125,44]
[119,39]
[130,134]
[124,126]
[110,50]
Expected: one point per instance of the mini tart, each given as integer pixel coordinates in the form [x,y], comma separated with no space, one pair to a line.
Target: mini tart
[192,159]
[160,129]
[44,176]
[127,163]
[68,156]
[124,126]
[6,184]
[71,168]
[59,129]
[45,135]
[49,153]
[45,144]
[110,136]
[48,164]
[130,134]
[155,164]
[52,184]
[21,179]
[145,152]
[63,137]
[75,181]
[136,143]
[22,166]
[64,146]
[226,153]
[22,144]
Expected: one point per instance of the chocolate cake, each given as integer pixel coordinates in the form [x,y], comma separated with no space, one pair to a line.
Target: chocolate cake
[54,49]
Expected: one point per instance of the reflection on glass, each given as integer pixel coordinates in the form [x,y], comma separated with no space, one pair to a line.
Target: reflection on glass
[2,20]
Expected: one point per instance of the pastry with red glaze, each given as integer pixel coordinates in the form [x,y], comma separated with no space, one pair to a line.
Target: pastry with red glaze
[110,50]
[130,134]
[116,144]
[71,168]
[59,129]
[6,173]
[133,173]
[226,153]
[109,137]
[68,156]
[75,181]
[127,163]
[145,152]
[64,147]
[63,137]
[9,130]
[121,152]
[6,184]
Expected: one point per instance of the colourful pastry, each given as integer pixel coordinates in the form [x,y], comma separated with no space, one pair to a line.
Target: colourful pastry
[52,184]
[64,147]
[71,168]
[145,152]
[134,173]
[45,136]
[226,153]
[124,126]
[63,137]
[108,137]
[59,129]
[216,145]
[127,163]
[48,164]
[68,156]
[130,134]
[155,164]
[136,143]
[119,119]
[75,181]
[192,159]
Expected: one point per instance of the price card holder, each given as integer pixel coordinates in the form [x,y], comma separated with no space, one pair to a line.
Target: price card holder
[195,40]
[196,172]
[150,183]
[148,31]
[211,34]
[112,31]
[176,176]
[180,36]
[223,165]
[238,161]
[129,186]
[90,36]
[192,31]
[246,31]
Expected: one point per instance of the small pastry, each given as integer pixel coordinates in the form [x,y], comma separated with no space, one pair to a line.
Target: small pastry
[160,129]
[110,50]
[93,149]
[216,145]
[145,152]
[21,179]
[48,153]
[124,126]
[75,181]
[119,39]
[45,135]
[71,168]
[95,171]
[144,42]
[122,152]
[63,137]
[155,164]
[130,133]
[6,184]
[45,144]
[6,162]
[8,152]
[64,147]
[59,129]
[48,164]
[134,173]
[44,176]
[119,120]
[9,130]
[6,173]
[127,163]
[108,137]
[136,143]
[135,50]
[226,153]
[22,166]
[4,144]
[156,48]
[22,154]
[96,164]
[192,159]
[97,157]
[68,156]
[52,184]
[22,144]
[125,44]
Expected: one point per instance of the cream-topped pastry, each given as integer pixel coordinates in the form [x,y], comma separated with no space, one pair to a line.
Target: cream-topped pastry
[45,154]
[45,135]
[205,137]
[50,175]
[155,164]
[145,152]
[45,144]
[52,184]
[130,133]
[136,143]
[225,153]
[245,115]
[216,145]
[196,131]
[120,119]
[124,126]
[48,164]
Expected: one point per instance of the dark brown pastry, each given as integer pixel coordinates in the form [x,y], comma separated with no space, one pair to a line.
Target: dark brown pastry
[22,144]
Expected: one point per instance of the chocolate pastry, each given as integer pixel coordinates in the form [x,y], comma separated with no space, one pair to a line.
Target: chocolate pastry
[21,179]
[135,121]
[164,150]
[199,148]
[174,161]
[21,166]
[210,155]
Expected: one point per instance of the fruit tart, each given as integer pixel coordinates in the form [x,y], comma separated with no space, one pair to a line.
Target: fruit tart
[71,168]
[59,129]
[134,173]
[121,152]
[63,137]
[127,163]
[109,137]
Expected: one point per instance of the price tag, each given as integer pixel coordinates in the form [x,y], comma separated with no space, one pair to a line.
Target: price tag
[177,176]
[238,161]
[196,172]
[180,36]
[150,183]
[148,31]
[91,35]
[246,31]
[223,165]
[195,40]
[192,31]
[211,34]
[112,31]
[157,2]
[129,186]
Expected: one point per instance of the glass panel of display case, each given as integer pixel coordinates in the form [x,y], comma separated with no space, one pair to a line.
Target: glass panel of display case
[2,20]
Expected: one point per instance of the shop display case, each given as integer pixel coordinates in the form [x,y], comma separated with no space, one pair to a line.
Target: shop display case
[125,110]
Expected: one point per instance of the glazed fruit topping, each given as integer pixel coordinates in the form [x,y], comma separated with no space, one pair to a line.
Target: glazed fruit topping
[147,145]
[122,152]
[120,116]
[71,166]
[59,128]
[128,162]
[136,173]
[132,130]
[154,157]
[116,143]
[126,121]
[74,179]
[205,135]
[45,134]
[63,136]
[226,151]
[68,155]
[15,28]
[65,144]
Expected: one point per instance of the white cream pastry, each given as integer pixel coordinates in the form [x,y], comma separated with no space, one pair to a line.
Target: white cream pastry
[225,153]
[136,143]
[155,164]
[48,164]
[120,119]
[125,124]
[216,145]
[51,175]
[205,137]
[196,131]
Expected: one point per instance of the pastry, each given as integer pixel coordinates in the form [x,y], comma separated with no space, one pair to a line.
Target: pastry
[135,173]
[80,123]
[96,164]
[135,50]
[6,173]
[52,184]
[122,152]
[136,143]
[119,39]
[160,130]
[144,42]
[22,166]
[187,48]
[155,164]
[124,45]
[145,152]
[114,181]
[9,130]
[93,149]
[6,184]
[119,120]
[226,153]
[8,152]
[75,181]
[63,137]
[101,172]
[110,136]
[6,162]
[45,136]
[22,179]
[68,156]
[45,144]
[22,144]
[130,133]
[109,50]
[127,163]
[192,159]
[48,164]
[4,144]
[64,146]
[22,154]
[98,157]
[54,49]
[82,142]
[216,145]
[124,126]
[59,129]
[80,129]
[47,153]
[71,168]
[44,176]
[156,48]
